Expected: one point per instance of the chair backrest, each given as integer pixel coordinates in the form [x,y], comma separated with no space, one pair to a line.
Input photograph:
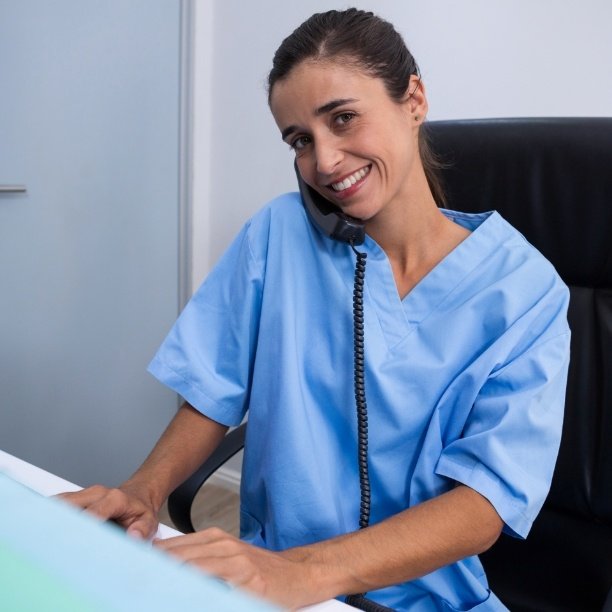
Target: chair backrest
[552,179]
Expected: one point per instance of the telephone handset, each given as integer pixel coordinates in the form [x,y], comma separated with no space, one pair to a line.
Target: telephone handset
[328,217]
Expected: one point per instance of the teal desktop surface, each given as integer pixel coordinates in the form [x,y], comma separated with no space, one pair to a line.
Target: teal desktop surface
[54,557]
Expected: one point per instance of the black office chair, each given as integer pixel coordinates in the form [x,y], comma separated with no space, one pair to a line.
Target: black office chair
[552,179]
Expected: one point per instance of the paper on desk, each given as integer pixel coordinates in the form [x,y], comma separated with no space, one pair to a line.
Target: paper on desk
[332,605]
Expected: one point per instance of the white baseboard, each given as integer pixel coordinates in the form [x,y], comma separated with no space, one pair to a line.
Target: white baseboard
[227,478]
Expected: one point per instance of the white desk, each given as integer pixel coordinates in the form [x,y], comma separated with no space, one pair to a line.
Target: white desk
[45,483]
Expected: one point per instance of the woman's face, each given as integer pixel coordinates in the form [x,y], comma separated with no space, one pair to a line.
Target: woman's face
[354,144]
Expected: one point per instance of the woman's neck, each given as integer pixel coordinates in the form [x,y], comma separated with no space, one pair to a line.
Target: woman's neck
[415,236]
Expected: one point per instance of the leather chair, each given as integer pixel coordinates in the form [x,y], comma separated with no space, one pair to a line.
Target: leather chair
[552,179]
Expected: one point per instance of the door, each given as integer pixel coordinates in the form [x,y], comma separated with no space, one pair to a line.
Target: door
[89,125]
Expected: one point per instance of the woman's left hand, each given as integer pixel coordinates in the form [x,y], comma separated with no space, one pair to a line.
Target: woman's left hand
[264,573]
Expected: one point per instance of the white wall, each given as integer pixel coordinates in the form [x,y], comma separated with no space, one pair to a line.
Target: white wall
[479,58]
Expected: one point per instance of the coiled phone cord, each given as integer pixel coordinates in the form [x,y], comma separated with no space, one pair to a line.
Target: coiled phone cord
[359,381]
[359,600]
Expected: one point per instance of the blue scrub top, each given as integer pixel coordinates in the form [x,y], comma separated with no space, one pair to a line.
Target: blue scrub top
[465,382]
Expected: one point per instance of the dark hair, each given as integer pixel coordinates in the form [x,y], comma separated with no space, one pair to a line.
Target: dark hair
[365,40]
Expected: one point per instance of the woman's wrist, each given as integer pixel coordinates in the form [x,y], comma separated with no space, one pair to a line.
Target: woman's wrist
[148,494]
[323,569]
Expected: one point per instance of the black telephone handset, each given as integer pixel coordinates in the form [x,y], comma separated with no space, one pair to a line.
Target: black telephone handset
[328,217]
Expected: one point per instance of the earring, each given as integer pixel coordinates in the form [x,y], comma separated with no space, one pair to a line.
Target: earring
[416,117]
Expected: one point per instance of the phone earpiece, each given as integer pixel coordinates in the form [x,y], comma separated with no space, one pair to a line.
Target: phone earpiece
[327,217]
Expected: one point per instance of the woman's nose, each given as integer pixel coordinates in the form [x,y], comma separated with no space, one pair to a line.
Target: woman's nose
[328,156]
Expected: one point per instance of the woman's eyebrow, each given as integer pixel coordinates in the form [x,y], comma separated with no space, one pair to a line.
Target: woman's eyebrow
[331,105]
[288,130]
[321,110]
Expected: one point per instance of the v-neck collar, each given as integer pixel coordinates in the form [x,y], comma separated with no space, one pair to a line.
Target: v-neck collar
[399,317]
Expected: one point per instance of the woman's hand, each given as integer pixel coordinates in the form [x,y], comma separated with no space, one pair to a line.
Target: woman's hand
[128,506]
[264,573]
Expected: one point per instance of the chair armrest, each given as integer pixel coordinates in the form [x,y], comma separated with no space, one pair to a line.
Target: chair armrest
[181,499]
[608,603]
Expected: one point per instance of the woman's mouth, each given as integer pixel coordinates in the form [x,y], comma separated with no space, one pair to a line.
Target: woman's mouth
[349,181]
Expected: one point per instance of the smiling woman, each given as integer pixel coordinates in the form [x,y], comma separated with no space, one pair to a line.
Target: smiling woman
[463,363]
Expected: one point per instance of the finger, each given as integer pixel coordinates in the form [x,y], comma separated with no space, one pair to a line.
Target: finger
[141,524]
[206,536]
[237,571]
[126,511]
[83,497]
[88,498]
[95,501]
[190,551]
[142,529]
[113,504]
[229,569]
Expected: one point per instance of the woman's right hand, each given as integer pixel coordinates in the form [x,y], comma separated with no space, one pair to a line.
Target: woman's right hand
[128,506]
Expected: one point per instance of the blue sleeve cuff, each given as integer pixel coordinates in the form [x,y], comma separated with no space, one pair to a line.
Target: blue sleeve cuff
[196,397]
[483,481]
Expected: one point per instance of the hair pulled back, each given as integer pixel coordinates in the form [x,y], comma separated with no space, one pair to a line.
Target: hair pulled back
[362,39]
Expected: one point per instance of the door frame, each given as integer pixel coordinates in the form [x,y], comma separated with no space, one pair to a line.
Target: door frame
[185,161]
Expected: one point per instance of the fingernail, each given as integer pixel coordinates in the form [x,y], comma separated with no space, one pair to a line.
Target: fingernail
[135,533]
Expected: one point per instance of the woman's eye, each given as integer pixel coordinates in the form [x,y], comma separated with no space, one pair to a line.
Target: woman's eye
[299,143]
[344,118]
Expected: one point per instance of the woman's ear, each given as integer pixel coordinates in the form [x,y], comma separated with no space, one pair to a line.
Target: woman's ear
[416,100]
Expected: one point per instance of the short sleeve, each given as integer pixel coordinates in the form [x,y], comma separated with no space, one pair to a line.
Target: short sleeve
[511,438]
[207,357]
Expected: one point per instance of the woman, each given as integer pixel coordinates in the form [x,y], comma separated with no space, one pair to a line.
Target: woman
[466,354]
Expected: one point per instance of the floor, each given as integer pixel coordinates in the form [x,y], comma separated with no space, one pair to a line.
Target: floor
[213,506]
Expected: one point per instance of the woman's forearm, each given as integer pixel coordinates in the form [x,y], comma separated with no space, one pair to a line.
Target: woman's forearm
[415,542]
[185,444]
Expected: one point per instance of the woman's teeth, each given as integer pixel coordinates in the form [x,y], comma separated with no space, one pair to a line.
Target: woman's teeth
[350,180]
